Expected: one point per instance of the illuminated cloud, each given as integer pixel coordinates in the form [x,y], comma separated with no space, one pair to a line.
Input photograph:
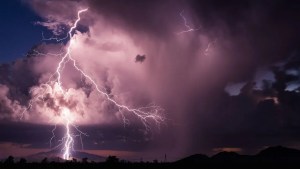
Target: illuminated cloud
[183,74]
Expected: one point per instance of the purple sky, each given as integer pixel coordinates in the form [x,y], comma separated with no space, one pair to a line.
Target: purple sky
[231,83]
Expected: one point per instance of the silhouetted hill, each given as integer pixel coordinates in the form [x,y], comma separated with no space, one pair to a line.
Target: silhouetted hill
[272,157]
[230,157]
[279,153]
[226,155]
[197,158]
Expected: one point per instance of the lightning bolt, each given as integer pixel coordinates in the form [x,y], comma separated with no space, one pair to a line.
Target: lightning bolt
[188,27]
[54,87]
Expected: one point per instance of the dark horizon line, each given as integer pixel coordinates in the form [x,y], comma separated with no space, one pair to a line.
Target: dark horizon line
[272,150]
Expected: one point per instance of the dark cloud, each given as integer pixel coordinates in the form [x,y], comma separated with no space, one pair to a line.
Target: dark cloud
[190,85]
[140,58]
[254,118]
[99,137]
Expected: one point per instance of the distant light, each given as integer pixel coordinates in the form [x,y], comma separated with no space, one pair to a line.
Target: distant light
[292,72]
[263,74]
[292,86]
[234,89]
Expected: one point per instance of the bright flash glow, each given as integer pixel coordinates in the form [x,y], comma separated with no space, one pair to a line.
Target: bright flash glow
[187,26]
[275,99]
[54,88]
[67,116]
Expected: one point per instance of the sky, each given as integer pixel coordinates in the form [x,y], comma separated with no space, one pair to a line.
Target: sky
[18,32]
[220,75]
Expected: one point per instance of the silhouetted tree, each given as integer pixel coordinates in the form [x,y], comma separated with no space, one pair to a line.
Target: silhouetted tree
[74,160]
[123,161]
[45,160]
[23,161]
[84,160]
[9,160]
[112,159]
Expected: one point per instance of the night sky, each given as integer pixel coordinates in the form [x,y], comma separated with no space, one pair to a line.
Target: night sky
[225,73]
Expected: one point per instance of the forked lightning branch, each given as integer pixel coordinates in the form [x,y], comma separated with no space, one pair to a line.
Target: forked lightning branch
[55,88]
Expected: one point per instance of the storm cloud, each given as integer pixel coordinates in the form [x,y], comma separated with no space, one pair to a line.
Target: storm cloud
[186,74]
